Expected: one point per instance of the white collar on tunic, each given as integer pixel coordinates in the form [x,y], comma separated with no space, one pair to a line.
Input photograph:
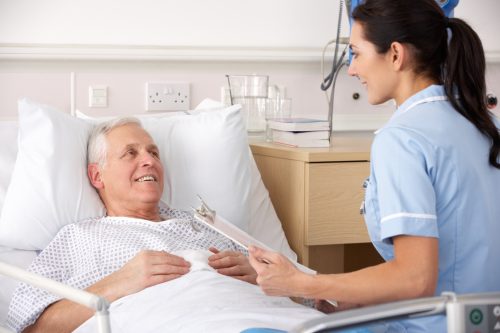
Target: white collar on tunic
[432,93]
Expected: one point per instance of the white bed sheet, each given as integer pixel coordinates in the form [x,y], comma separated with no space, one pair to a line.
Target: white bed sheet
[18,258]
[202,301]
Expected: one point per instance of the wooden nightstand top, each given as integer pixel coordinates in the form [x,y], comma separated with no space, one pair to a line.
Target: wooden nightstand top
[346,146]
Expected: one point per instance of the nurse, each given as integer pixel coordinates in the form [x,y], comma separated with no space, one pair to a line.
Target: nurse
[432,201]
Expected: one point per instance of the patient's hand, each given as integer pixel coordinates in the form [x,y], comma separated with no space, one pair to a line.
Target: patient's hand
[146,269]
[232,263]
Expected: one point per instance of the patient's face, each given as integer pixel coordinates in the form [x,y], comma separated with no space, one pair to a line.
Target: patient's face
[133,174]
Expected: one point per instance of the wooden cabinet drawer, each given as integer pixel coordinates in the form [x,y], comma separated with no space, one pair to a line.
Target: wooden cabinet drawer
[333,196]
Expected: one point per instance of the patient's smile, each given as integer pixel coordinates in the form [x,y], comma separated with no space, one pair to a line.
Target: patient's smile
[147,178]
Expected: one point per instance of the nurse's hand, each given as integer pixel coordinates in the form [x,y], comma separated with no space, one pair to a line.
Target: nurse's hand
[277,276]
[233,264]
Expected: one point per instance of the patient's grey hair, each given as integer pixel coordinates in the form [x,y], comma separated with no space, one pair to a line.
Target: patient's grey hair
[97,146]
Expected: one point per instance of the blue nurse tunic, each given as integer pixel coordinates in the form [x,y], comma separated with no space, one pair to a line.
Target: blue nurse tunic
[430,177]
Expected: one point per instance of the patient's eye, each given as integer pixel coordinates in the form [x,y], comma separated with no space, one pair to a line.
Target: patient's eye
[153,151]
[130,153]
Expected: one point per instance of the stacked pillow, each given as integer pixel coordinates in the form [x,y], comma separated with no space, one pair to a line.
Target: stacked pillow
[205,154]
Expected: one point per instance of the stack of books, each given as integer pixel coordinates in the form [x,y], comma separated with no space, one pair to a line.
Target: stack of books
[300,132]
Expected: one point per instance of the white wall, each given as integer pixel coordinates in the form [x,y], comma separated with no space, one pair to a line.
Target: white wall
[123,44]
[235,23]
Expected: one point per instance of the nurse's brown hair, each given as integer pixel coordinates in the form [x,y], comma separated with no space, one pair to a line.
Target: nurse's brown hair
[457,62]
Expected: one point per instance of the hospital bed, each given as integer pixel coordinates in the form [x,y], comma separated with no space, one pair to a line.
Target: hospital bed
[460,310]
[464,313]
[214,137]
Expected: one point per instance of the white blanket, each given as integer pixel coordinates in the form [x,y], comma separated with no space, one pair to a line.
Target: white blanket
[202,301]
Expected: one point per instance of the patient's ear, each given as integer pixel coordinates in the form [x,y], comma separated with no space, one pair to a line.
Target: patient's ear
[94,173]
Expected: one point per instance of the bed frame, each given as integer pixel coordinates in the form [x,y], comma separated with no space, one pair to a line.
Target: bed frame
[478,312]
[97,303]
[465,313]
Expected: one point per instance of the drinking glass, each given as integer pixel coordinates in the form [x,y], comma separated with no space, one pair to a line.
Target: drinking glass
[277,108]
[251,92]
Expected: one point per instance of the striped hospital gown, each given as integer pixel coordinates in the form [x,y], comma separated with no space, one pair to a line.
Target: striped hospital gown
[85,252]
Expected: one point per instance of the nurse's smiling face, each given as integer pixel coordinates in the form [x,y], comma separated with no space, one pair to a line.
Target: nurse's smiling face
[373,69]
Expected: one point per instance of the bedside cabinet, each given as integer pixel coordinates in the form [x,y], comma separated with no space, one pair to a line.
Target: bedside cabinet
[317,193]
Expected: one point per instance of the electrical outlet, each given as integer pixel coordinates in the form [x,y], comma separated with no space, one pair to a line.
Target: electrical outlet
[167,96]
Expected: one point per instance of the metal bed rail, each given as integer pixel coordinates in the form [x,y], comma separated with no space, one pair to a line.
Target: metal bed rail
[97,303]
[478,312]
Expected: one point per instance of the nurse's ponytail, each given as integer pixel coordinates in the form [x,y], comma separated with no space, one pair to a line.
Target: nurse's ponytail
[457,62]
[464,75]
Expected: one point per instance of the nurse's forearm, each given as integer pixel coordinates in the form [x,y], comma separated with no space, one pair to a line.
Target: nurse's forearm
[413,273]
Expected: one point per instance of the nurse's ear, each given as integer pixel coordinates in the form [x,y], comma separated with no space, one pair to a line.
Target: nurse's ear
[399,56]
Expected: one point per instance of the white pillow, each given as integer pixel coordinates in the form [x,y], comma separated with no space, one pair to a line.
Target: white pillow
[49,186]
[263,223]
[8,152]
[206,154]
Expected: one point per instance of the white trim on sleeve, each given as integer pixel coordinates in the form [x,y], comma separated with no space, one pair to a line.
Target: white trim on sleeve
[414,215]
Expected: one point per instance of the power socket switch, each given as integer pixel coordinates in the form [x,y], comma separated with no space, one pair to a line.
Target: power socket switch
[167,96]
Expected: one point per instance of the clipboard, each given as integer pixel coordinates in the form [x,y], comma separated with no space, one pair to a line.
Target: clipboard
[209,217]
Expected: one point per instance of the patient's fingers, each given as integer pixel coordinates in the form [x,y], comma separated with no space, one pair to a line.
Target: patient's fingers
[233,264]
[226,259]
[162,256]
[163,269]
[146,269]
[151,263]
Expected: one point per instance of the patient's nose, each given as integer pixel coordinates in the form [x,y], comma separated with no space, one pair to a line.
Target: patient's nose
[146,158]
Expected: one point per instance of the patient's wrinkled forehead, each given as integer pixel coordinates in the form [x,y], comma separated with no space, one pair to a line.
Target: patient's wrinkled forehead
[128,135]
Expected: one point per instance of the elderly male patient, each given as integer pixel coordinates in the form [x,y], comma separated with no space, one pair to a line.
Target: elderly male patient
[129,249]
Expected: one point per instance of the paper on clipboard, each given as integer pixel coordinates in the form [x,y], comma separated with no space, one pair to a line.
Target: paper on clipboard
[209,217]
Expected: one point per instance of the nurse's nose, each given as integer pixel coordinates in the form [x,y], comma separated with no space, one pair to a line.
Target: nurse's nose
[352,70]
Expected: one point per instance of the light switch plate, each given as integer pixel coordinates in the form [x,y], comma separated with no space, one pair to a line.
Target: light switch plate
[98,96]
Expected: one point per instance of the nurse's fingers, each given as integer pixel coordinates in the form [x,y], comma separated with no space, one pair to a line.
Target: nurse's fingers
[265,256]
[213,249]
[260,259]
[258,266]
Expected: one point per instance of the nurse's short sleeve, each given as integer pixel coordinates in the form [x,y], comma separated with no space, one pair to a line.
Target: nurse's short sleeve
[403,167]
